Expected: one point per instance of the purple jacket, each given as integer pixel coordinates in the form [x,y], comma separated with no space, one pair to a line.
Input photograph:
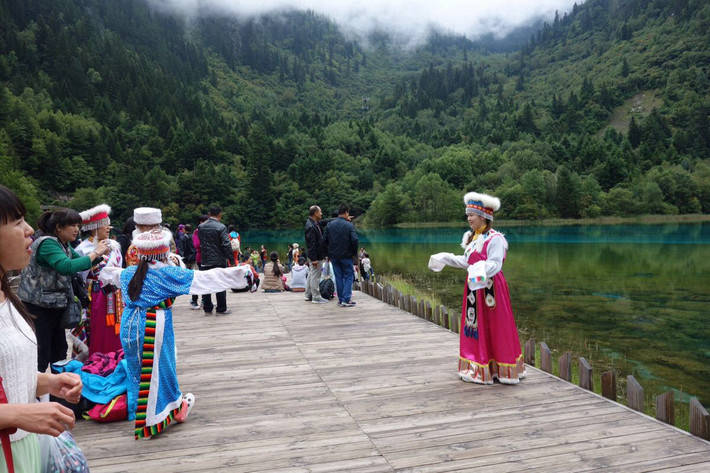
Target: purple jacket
[196,244]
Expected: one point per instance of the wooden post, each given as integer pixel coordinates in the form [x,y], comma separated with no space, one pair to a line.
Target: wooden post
[545,358]
[565,364]
[428,312]
[634,394]
[699,420]
[530,352]
[435,315]
[421,311]
[413,305]
[445,317]
[609,384]
[664,408]
[403,301]
[379,290]
[585,375]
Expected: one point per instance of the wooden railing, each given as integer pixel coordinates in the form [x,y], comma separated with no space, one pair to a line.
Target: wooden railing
[699,419]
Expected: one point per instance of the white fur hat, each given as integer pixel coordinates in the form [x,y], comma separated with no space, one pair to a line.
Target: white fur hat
[481,204]
[153,245]
[147,216]
[95,218]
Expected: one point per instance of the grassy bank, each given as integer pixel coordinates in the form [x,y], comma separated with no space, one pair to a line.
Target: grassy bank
[639,219]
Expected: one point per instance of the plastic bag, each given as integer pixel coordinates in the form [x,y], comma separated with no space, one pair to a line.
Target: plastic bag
[62,454]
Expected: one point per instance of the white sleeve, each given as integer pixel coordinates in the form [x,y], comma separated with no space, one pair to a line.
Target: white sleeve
[496,253]
[438,261]
[111,275]
[219,279]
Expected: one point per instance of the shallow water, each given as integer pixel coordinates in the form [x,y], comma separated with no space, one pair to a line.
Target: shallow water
[632,297]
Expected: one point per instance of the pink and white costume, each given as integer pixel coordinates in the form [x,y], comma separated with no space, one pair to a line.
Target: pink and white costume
[489,347]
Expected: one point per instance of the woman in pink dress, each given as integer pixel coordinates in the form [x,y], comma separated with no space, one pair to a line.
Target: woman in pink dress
[489,347]
[106,306]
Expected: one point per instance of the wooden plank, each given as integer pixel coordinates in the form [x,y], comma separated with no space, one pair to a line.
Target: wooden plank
[585,375]
[665,411]
[310,389]
[699,419]
[530,352]
[436,316]
[634,394]
[427,311]
[545,358]
[609,384]
[379,290]
[565,365]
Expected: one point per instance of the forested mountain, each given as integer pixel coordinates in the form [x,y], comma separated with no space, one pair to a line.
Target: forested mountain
[603,111]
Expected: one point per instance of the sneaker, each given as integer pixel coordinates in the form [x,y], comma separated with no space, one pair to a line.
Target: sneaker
[188,401]
[319,301]
[195,306]
[349,304]
[307,299]
[344,304]
[226,312]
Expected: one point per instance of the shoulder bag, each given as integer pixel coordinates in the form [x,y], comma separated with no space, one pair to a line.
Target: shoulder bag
[5,435]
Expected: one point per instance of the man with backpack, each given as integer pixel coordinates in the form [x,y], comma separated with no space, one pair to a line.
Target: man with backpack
[316,254]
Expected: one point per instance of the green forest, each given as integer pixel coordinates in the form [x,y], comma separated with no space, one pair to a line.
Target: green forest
[604,110]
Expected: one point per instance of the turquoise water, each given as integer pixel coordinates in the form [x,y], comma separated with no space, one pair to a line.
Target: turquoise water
[632,297]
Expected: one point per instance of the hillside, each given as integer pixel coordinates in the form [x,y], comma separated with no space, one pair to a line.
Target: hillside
[117,102]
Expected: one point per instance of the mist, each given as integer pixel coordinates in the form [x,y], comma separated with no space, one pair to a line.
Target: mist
[409,20]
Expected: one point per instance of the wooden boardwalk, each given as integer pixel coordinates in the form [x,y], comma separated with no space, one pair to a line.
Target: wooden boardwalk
[284,385]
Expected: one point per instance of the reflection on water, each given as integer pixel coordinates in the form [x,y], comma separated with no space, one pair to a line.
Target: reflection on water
[634,297]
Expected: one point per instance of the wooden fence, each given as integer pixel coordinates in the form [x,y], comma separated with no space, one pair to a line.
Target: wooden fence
[699,419]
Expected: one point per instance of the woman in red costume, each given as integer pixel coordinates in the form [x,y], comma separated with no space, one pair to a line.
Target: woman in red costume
[489,348]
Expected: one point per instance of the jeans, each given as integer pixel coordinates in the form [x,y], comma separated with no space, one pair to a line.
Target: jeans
[313,281]
[344,274]
[207,298]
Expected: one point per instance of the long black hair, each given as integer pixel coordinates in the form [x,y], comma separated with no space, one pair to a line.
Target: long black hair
[136,285]
[275,260]
[11,209]
[59,217]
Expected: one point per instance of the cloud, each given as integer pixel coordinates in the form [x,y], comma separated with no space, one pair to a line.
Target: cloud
[411,19]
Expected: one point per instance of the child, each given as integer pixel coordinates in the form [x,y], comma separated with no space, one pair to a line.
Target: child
[366,267]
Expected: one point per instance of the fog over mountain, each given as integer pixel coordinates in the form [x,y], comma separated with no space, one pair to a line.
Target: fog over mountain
[408,20]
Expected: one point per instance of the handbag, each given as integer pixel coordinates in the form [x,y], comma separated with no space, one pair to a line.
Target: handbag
[71,316]
[114,411]
[5,435]
[79,287]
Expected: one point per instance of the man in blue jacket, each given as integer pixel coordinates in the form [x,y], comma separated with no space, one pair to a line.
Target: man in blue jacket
[342,242]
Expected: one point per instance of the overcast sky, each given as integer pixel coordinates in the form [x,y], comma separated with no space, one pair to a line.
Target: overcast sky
[410,18]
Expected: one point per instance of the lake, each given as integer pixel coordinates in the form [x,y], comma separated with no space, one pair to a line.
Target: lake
[632,297]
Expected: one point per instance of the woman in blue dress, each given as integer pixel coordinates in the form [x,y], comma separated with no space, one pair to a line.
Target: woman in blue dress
[154,397]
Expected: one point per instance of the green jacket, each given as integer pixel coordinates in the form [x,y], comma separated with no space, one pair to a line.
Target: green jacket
[51,254]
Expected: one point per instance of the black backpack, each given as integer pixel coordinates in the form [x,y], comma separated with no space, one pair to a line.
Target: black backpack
[327,288]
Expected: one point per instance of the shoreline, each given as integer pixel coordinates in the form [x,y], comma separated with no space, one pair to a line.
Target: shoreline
[639,219]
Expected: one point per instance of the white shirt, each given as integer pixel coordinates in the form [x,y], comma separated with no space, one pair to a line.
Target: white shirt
[18,359]
[299,275]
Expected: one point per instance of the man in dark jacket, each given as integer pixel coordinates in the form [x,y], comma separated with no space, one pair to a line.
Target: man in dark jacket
[342,244]
[215,250]
[316,250]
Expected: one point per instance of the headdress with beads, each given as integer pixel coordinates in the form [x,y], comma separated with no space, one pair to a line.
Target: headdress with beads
[95,218]
[481,204]
[153,245]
